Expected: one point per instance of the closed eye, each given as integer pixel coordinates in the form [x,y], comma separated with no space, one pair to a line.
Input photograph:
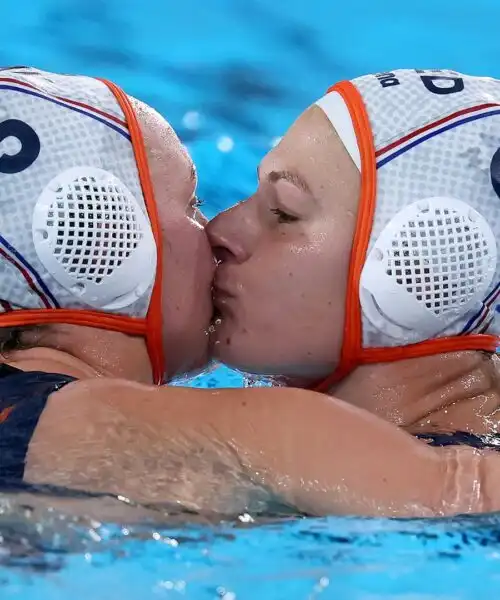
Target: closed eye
[283,217]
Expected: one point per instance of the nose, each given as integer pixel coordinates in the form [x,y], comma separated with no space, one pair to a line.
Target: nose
[232,234]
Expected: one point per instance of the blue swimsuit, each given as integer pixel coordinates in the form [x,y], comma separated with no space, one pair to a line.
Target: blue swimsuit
[23,396]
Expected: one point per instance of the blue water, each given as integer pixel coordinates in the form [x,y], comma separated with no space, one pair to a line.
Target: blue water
[240,71]
[322,558]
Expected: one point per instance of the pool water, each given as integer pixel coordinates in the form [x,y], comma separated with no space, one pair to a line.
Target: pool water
[337,558]
[231,76]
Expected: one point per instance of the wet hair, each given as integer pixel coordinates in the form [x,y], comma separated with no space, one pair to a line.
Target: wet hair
[18,338]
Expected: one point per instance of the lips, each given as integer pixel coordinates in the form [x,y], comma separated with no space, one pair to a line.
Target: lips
[220,299]
[221,293]
[221,287]
[221,296]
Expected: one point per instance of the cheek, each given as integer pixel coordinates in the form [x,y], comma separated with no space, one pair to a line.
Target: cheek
[303,272]
[187,300]
[297,292]
[187,260]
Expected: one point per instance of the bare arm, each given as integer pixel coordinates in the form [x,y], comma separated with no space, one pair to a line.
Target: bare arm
[228,450]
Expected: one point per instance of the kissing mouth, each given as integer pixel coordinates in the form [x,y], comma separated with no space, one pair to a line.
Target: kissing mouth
[216,315]
[218,298]
[221,298]
[221,291]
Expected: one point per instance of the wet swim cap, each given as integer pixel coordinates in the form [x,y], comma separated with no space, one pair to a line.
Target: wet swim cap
[79,235]
[424,270]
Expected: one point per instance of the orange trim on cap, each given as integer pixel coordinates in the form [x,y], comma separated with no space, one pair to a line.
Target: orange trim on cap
[154,318]
[488,343]
[352,341]
[353,353]
[85,318]
[151,326]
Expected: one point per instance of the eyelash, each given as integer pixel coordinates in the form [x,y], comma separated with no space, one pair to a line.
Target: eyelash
[283,217]
[197,202]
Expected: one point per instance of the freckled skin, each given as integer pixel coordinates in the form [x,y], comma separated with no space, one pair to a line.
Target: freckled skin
[287,280]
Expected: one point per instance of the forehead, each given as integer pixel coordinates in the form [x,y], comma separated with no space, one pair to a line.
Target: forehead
[169,162]
[311,147]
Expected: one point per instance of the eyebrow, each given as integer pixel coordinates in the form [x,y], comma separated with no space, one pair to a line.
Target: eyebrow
[291,176]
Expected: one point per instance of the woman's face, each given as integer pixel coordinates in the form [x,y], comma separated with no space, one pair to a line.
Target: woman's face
[188,263]
[284,256]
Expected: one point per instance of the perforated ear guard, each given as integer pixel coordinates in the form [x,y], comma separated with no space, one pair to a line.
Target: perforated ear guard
[92,236]
[424,274]
[432,262]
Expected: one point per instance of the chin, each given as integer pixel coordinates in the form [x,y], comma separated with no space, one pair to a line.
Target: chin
[191,367]
[216,336]
[189,353]
[259,356]
[200,358]
[232,345]
[225,349]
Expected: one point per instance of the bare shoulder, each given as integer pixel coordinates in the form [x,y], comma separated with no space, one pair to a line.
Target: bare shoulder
[123,391]
[250,414]
[95,388]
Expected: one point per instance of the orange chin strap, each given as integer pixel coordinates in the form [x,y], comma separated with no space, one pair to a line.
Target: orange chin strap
[149,327]
[353,354]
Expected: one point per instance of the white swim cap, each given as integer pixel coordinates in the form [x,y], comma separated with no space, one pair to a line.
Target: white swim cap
[425,272]
[79,234]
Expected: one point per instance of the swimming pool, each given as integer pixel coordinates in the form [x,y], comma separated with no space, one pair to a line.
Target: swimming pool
[352,559]
[231,76]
